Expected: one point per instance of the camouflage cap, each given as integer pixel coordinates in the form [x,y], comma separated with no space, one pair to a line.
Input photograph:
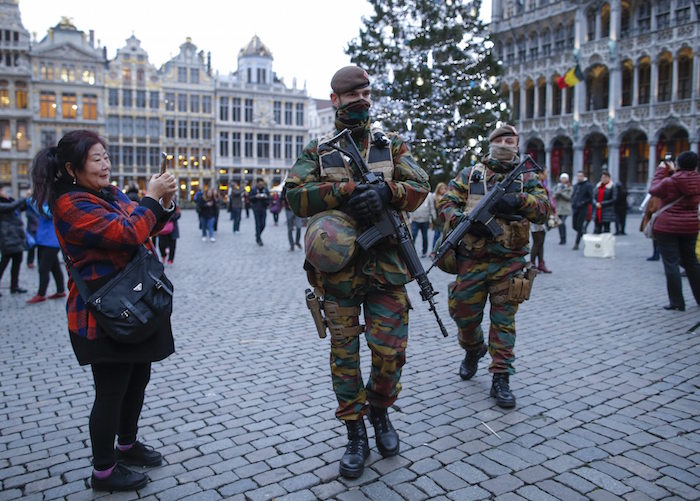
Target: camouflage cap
[330,240]
[504,130]
[349,78]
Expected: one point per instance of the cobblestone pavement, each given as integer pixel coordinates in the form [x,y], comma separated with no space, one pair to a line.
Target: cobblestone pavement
[607,389]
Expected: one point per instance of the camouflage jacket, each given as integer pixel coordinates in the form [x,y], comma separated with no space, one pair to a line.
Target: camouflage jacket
[308,195]
[536,206]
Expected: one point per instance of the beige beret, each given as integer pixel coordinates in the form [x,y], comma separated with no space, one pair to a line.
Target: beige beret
[504,130]
[349,78]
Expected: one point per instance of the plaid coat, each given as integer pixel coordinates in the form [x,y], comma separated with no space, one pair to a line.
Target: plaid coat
[99,232]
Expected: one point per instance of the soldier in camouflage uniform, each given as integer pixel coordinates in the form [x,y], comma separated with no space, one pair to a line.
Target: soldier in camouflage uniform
[349,277]
[486,265]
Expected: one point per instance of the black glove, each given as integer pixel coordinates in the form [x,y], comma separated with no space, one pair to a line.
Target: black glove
[479,230]
[509,204]
[365,204]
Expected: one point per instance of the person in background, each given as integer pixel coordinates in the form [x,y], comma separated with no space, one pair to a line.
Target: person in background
[100,230]
[647,208]
[47,250]
[563,192]
[676,228]
[32,223]
[294,222]
[235,204]
[246,200]
[435,222]
[206,207]
[604,198]
[13,241]
[259,201]
[581,206]
[420,221]
[167,237]
[132,192]
[275,206]
[539,231]
[620,209]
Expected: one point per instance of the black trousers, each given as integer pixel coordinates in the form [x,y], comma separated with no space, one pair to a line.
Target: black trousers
[601,228]
[119,392]
[14,270]
[562,229]
[48,263]
[167,243]
[537,249]
[260,216]
[679,250]
[620,220]
[578,222]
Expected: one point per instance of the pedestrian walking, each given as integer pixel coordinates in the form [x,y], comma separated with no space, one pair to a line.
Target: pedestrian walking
[604,199]
[676,225]
[275,206]
[167,237]
[420,221]
[539,231]
[206,206]
[13,240]
[563,191]
[259,201]
[375,279]
[581,206]
[486,265]
[47,250]
[620,209]
[435,222]
[235,205]
[294,223]
[99,230]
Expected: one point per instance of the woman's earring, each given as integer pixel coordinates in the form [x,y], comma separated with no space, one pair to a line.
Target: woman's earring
[75,180]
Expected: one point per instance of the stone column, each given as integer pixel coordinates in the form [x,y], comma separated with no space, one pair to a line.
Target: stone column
[635,84]
[598,25]
[653,87]
[536,104]
[522,104]
[548,160]
[674,81]
[652,161]
[578,158]
[614,160]
[693,144]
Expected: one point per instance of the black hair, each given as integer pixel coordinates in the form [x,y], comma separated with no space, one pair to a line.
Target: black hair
[688,160]
[605,173]
[49,165]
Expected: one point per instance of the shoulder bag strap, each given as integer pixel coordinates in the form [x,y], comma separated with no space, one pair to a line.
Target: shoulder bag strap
[79,282]
[669,205]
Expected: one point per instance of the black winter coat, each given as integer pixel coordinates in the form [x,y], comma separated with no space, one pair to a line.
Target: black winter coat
[12,237]
[583,193]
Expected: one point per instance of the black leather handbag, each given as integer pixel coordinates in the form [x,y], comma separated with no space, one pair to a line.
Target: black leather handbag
[134,303]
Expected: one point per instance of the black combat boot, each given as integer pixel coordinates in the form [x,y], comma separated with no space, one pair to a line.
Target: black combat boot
[471,361]
[352,464]
[501,390]
[384,432]
[121,479]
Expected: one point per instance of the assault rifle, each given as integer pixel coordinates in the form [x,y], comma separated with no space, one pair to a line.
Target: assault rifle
[485,211]
[389,223]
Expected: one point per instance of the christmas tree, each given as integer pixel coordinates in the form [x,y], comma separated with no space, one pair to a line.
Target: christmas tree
[434,78]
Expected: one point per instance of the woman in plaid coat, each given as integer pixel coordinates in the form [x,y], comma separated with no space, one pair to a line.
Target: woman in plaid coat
[100,229]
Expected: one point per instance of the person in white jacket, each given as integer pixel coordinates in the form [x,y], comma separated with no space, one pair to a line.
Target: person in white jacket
[420,220]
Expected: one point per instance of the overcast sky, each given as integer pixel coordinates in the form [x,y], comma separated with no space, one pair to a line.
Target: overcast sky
[307,37]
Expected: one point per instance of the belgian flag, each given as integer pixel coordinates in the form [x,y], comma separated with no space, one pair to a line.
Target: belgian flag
[571,78]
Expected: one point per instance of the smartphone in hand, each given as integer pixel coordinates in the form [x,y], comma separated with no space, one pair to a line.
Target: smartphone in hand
[163,161]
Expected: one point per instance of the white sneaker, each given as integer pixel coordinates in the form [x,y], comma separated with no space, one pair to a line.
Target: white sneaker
[204,239]
[212,239]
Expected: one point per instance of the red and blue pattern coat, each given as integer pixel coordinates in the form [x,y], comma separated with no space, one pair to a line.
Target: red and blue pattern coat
[99,232]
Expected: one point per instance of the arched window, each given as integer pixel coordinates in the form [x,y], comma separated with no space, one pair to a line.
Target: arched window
[665,77]
[625,20]
[546,42]
[533,45]
[627,82]
[559,37]
[644,80]
[643,15]
[590,25]
[605,21]
[522,50]
[685,72]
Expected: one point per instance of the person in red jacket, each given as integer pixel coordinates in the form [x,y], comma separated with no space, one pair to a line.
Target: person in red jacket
[676,228]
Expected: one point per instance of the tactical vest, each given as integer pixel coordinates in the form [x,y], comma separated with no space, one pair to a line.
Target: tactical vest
[515,233]
[334,167]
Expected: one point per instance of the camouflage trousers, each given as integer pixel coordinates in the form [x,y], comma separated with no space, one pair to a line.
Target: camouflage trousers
[386,332]
[467,300]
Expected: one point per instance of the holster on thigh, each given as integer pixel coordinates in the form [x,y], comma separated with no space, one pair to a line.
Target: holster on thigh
[338,316]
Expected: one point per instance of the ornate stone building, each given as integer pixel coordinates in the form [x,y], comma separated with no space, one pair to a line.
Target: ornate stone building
[15,111]
[262,125]
[133,124]
[188,118]
[67,88]
[640,95]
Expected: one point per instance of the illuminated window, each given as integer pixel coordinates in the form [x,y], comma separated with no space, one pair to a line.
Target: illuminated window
[22,137]
[90,107]
[69,106]
[5,170]
[88,76]
[4,94]
[47,105]
[5,135]
[126,75]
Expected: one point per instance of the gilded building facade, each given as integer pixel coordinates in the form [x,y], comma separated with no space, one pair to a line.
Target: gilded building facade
[640,93]
[262,125]
[15,111]
[133,115]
